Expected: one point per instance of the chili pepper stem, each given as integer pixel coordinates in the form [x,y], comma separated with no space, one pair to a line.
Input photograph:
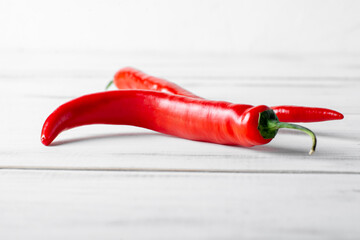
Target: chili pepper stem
[269,125]
[109,84]
[277,125]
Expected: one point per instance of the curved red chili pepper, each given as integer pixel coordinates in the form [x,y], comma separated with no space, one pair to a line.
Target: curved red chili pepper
[190,118]
[130,78]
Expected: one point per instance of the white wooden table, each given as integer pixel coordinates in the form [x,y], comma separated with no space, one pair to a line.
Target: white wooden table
[122,182]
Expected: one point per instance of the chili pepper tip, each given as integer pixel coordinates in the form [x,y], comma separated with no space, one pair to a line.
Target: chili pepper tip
[44,140]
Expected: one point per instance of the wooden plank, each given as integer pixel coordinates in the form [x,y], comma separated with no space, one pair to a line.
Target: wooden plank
[144,185]
[29,95]
[125,205]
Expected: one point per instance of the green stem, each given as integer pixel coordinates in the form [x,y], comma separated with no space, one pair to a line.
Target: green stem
[276,124]
[109,84]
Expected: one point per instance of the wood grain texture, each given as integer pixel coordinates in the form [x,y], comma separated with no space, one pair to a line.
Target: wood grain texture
[121,182]
[119,205]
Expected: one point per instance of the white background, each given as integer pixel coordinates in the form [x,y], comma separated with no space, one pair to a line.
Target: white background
[226,26]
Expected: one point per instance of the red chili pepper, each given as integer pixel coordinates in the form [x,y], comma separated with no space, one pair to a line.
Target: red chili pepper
[305,114]
[130,78]
[191,118]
